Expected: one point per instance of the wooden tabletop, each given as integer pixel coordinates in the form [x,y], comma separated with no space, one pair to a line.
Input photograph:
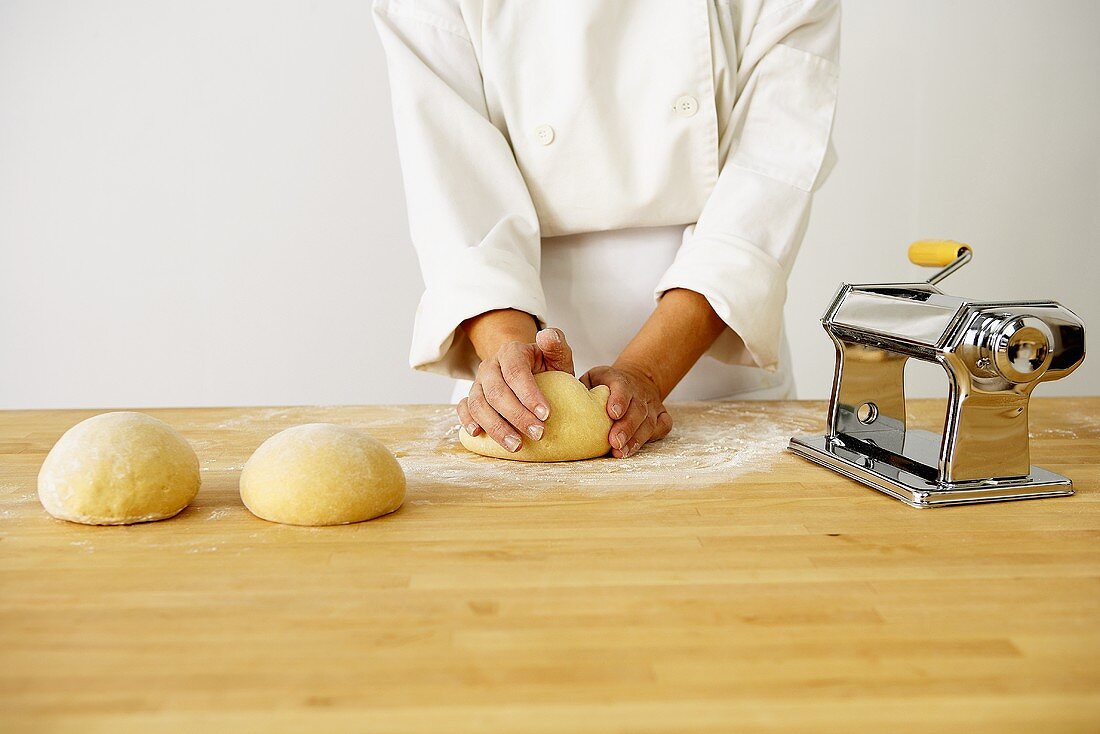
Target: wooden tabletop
[712,583]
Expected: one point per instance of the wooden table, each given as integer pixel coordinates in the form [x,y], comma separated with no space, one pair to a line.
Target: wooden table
[714,584]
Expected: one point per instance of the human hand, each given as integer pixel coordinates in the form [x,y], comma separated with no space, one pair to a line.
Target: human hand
[504,398]
[635,406]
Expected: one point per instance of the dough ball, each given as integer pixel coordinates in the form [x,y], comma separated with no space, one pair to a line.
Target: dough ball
[321,474]
[576,429]
[118,469]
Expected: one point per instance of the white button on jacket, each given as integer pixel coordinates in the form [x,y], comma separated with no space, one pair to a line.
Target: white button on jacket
[709,114]
[686,105]
[545,134]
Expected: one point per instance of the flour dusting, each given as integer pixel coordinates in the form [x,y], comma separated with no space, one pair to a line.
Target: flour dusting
[83,545]
[710,443]
[254,417]
[1077,425]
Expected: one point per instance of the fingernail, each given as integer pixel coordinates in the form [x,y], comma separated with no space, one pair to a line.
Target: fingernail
[620,441]
[542,412]
[511,443]
[616,411]
[471,428]
[535,432]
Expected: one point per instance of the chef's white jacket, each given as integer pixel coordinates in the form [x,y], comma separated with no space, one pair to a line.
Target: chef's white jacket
[519,120]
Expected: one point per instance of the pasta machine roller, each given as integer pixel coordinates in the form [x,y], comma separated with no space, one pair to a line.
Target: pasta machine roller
[994,354]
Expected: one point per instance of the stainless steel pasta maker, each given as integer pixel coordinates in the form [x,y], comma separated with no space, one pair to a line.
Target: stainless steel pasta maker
[994,354]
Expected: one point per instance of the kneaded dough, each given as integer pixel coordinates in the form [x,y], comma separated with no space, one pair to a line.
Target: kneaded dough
[321,474]
[117,469]
[576,429]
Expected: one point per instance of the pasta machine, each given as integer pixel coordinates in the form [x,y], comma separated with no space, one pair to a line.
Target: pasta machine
[994,355]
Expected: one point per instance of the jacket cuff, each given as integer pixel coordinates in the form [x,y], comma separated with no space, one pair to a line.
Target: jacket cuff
[744,286]
[479,279]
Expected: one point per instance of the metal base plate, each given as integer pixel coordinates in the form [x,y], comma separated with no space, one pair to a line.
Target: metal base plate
[922,451]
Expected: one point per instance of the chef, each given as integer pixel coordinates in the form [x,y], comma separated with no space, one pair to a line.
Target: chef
[616,184]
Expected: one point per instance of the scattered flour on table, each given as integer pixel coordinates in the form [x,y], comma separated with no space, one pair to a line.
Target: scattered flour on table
[215,465]
[258,417]
[710,443]
[9,511]
[83,545]
[713,443]
[1077,425]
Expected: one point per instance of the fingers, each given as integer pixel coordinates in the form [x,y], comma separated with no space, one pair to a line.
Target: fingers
[621,393]
[502,399]
[641,423]
[491,421]
[624,430]
[636,420]
[664,425]
[644,433]
[467,419]
[515,365]
[646,427]
[555,350]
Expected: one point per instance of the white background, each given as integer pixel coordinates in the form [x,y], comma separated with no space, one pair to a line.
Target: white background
[200,201]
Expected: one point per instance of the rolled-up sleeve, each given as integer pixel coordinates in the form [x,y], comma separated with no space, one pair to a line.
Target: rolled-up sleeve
[471,218]
[740,252]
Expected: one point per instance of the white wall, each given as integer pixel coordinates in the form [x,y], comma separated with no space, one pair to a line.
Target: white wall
[977,121]
[200,201]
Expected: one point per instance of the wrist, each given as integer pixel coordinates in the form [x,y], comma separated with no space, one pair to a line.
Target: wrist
[681,329]
[493,329]
[642,371]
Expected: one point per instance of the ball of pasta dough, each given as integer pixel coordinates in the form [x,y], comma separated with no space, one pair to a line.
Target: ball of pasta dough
[576,429]
[321,474]
[118,469]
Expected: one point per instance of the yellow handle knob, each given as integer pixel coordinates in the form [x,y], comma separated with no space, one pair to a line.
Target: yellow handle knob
[936,253]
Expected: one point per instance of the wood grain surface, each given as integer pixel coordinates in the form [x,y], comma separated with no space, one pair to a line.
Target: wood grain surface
[668,595]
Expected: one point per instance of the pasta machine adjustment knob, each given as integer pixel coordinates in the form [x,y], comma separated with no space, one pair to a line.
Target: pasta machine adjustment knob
[1019,348]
